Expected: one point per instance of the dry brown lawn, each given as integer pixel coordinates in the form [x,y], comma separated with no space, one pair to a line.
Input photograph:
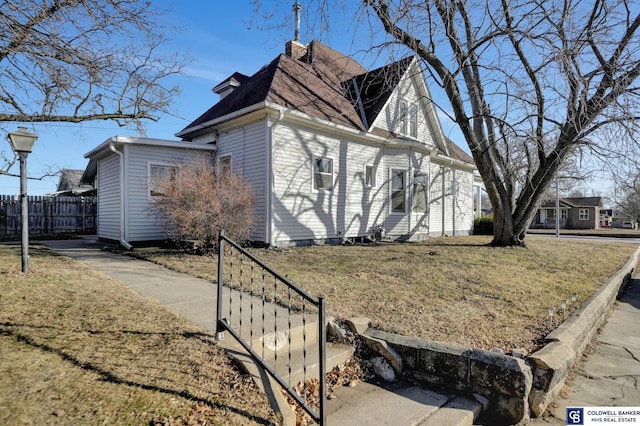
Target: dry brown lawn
[78,348]
[457,290]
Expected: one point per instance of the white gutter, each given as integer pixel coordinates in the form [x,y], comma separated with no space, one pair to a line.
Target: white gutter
[123,241]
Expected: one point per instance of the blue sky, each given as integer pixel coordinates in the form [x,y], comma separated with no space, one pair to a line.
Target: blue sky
[216,34]
[222,37]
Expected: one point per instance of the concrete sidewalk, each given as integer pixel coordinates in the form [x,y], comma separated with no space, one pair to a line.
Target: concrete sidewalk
[195,300]
[609,374]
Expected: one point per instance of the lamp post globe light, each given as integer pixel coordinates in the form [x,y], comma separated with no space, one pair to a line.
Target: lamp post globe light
[22,144]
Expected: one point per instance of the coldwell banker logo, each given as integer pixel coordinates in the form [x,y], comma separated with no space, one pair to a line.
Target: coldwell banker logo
[575,416]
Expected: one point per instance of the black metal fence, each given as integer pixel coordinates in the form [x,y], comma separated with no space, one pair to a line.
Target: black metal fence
[281,327]
[48,216]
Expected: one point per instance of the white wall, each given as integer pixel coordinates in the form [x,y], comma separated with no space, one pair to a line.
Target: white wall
[108,196]
[302,213]
[247,147]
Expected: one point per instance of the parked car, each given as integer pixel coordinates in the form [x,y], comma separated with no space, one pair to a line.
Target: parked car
[629,225]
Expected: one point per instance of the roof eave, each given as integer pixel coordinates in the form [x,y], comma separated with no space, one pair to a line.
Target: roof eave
[221,119]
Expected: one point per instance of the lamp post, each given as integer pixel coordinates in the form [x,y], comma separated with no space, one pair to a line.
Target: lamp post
[22,144]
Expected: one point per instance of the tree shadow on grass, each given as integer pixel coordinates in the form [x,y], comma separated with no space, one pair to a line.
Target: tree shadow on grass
[20,332]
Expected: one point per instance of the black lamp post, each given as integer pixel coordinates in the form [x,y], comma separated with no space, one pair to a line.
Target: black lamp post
[22,144]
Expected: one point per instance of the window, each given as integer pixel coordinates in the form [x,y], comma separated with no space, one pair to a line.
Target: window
[402,118]
[398,189]
[413,121]
[369,176]
[322,173]
[454,188]
[420,181]
[408,119]
[225,164]
[159,176]
[583,214]
[564,214]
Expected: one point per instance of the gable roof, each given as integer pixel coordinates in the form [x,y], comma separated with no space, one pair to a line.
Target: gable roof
[574,202]
[374,88]
[323,84]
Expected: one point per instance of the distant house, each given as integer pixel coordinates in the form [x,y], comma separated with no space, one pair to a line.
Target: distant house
[70,184]
[575,213]
[333,152]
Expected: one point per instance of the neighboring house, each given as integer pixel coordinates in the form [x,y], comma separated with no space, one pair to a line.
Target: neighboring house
[575,213]
[333,151]
[70,184]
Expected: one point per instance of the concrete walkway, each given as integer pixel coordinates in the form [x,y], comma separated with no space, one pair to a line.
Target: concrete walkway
[195,299]
[609,374]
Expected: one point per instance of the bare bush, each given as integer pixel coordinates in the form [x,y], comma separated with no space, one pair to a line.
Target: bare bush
[199,199]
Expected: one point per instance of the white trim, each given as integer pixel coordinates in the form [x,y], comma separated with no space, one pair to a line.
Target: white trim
[313,173]
[151,163]
[373,175]
[404,191]
[120,141]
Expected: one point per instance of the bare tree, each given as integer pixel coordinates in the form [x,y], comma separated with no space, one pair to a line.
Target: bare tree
[528,83]
[197,200]
[79,60]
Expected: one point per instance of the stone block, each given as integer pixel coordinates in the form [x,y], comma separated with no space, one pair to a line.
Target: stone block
[358,324]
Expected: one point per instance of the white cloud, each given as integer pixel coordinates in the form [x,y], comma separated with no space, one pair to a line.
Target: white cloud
[205,74]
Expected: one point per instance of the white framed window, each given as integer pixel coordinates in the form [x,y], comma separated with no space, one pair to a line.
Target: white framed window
[564,213]
[159,176]
[408,119]
[583,214]
[398,191]
[369,176]
[402,117]
[322,173]
[413,121]
[420,183]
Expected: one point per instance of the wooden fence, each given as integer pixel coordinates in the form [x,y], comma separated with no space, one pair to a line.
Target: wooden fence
[48,216]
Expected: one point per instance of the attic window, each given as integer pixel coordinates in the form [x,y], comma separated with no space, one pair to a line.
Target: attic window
[322,173]
[408,119]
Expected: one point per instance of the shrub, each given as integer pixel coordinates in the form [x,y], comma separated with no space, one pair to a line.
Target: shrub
[483,225]
[198,200]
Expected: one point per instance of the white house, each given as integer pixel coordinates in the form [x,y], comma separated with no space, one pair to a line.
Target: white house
[333,151]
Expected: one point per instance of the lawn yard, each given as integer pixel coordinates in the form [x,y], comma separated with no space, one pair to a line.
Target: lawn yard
[456,290]
[78,348]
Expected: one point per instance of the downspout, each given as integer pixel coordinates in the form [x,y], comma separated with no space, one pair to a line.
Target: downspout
[269,164]
[444,200]
[123,241]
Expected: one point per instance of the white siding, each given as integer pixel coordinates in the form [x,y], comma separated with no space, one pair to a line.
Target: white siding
[108,184]
[458,205]
[248,149]
[304,214]
[396,225]
[142,223]
[389,118]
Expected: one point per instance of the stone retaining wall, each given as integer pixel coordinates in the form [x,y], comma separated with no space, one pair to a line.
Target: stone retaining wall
[514,387]
[565,345]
